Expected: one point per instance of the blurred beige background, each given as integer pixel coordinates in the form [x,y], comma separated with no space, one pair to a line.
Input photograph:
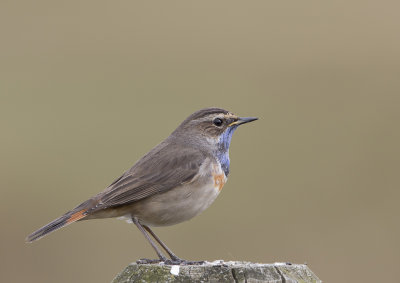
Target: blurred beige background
[87,88]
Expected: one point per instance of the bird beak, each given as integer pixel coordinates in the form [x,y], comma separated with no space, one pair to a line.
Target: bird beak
[243,120]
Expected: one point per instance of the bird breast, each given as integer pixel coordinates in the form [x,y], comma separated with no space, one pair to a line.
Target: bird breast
[185,201]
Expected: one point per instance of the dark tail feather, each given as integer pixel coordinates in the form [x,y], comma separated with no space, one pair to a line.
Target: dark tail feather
[68,218]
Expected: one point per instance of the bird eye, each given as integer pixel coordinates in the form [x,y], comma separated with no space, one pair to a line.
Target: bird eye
[217,122]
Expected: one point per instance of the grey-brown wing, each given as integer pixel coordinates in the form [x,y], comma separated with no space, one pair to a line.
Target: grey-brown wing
[162,169]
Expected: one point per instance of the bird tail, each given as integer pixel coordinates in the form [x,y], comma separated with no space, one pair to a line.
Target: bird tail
[72,216]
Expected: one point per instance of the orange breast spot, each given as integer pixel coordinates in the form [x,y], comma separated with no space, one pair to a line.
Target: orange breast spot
[219,177]
[219,181]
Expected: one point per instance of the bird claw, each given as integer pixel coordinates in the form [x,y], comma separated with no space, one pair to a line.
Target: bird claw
[182,262]
[175,261]
[201,262]
[148,261]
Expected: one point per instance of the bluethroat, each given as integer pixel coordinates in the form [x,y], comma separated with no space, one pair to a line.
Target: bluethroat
[175,181]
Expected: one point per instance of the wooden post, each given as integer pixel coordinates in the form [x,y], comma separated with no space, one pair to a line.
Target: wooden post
[217,271]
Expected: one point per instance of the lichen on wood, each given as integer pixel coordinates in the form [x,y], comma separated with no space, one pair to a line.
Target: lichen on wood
[217,271]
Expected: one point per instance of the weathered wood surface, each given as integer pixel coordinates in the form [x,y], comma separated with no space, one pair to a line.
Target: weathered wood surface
[217,271]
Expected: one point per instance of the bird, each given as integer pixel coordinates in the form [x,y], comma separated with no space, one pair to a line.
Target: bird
[175,181]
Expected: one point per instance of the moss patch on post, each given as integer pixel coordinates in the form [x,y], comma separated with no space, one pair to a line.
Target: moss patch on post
[217,271]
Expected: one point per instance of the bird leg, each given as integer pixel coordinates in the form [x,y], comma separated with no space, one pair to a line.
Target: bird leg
[159,253]
[174,258]
[164,246]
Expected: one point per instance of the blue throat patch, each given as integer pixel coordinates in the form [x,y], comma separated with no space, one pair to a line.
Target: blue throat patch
[223,148]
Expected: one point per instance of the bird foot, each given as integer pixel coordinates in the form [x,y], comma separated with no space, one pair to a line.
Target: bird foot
[188,262]
[182,262]
[175,261]
[148,261]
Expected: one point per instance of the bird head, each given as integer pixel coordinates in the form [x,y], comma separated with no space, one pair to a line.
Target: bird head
[213,125]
